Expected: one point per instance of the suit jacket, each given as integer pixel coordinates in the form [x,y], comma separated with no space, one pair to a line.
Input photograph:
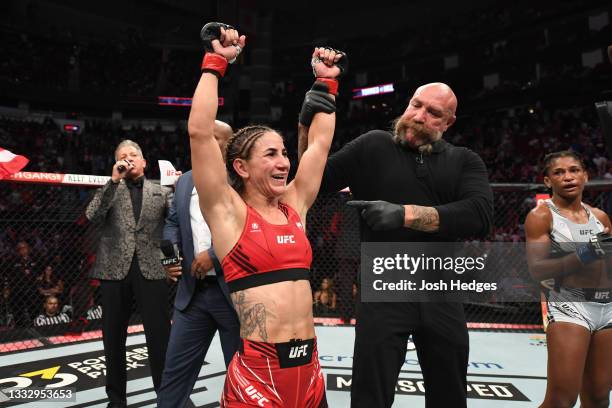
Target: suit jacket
[111,207]
[178,231]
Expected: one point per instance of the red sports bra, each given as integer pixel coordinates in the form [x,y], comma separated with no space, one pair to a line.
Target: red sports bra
[266,253]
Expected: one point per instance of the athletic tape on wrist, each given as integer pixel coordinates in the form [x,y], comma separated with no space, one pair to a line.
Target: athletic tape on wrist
[214,63]
[332,84]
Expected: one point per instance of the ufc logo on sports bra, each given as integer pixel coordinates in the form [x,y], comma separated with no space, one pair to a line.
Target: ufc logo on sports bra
[586,232]
[298,351]
[256,395]
[285,239]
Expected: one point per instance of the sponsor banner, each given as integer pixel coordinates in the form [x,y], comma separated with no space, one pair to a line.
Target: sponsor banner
[37,177]
[497,391]
[82,371]
[373,90]
[408,361]
[58,178]
[85,179]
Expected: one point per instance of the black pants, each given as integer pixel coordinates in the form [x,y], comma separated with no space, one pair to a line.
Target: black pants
[440,335]
[151,297]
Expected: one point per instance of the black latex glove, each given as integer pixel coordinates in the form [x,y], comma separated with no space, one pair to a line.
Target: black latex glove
[380,215]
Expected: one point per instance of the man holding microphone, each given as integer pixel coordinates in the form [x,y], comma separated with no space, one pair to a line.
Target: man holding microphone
[131,211]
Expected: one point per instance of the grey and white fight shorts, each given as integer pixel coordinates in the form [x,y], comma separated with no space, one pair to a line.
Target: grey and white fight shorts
[589,308]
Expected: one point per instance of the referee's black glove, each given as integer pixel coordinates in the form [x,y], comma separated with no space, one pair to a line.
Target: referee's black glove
[380,215]
[316,100]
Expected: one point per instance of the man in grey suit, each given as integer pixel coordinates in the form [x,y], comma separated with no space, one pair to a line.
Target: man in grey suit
[131,211]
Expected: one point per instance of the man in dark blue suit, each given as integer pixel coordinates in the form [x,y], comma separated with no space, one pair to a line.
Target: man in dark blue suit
[202,304]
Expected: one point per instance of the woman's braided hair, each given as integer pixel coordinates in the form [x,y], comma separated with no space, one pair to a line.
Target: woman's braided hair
[240,146]
[551,157]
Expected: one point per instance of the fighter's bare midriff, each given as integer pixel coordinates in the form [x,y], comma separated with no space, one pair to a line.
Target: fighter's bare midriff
[595,275]
[275,313]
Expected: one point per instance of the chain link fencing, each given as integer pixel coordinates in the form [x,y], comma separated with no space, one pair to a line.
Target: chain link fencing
[47,248]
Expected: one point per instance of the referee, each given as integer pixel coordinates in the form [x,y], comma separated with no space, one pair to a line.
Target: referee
[419,188]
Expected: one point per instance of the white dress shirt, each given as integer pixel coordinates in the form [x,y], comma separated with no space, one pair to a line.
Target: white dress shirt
[199,229]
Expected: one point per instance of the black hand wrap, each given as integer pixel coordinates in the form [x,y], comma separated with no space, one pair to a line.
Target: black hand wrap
[210,32]
[316,100]
[380,215]
[342,63]
[598,247]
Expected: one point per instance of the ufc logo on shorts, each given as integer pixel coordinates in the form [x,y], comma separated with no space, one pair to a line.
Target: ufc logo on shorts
[601,295]
[256,395]
[568,309]
[285,239]
[298,351]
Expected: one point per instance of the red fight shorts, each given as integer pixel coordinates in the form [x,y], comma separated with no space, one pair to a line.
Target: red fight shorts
[275,375]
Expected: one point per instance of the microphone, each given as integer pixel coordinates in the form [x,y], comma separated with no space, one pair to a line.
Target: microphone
[171,255]
[121,168]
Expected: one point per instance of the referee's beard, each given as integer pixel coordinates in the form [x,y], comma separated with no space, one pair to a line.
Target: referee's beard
[420,138]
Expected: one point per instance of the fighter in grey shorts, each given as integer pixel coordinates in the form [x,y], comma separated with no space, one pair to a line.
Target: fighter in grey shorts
[590,308]
[568,240]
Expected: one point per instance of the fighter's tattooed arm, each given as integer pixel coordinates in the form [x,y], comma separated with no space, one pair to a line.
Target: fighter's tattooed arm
[422,218]
[252,316]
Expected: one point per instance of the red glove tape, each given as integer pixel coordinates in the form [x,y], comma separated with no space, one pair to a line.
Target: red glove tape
[214,63]
[332,84]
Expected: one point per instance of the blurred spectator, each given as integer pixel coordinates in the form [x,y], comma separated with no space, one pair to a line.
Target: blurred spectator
[84,306]
[22,283]
[83,297]
[49,284]
[325,299]
[511,141]
[326,288]
[7,320]
[323,307]
[52,314]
